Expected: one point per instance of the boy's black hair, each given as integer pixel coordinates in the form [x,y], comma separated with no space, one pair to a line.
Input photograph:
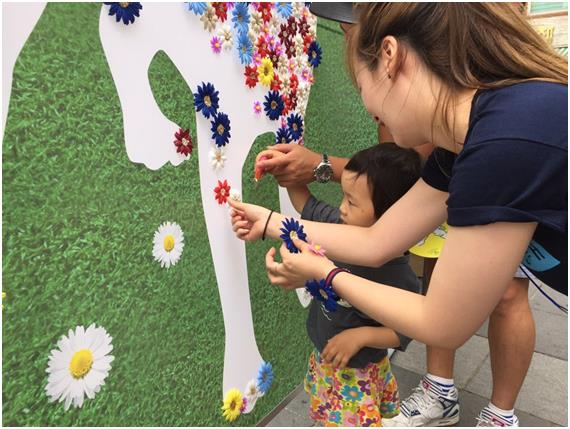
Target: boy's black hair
[391,172]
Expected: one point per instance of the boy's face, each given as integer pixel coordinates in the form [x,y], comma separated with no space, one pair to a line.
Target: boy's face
[356,207]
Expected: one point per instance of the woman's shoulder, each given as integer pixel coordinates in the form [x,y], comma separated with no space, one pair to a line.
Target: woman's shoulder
[533,111]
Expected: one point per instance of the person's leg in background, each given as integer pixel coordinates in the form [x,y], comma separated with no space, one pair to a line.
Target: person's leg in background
[511,337]
[511,343]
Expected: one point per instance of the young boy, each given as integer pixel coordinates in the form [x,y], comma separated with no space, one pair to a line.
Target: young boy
[349,378]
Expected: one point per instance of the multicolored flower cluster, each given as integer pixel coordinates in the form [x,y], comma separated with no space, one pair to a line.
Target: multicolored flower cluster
[276,44]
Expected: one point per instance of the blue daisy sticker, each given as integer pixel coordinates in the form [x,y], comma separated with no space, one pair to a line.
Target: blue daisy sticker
[221,129]
[206,100]
[241,17]
[283,136]
[264,377]
[245,48]
[284,9]
[315,54]
[124,11]
[292,229]
[295,122]
[323,293]
[198,8]
[273,105]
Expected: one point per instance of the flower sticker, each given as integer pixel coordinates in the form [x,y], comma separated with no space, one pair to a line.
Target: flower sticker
[198,8]
[250,74]
[323,293]
[168,244]
[124,11]
[273,105]
[79,365]
[264,377]
[315,54]
[209,19]
[292,229]
[217,158]
[241,17]
[183,142]
[245,48]
[222,192]
[317,249]
[235,195]
[265,72]
[257,108]
[283,136]
[221,129]
[226,37]
[216,45]
[295,123]
[232,406]
[206,100]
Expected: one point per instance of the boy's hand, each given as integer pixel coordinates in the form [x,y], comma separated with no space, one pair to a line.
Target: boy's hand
[342,347]
[248,220]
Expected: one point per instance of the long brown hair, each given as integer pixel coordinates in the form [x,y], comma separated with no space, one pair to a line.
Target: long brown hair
[466,45]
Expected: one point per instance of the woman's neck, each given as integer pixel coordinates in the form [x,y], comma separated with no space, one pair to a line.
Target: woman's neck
[458,120]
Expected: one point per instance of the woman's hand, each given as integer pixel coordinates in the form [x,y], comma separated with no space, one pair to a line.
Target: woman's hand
[290,164]
[340,348]
[248,220]
[296,268]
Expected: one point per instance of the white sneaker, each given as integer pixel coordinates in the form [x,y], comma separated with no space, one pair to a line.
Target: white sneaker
[487,418]
[422,408]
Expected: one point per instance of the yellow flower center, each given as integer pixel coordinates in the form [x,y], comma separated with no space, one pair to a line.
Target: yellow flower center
[323,294]
[317,247]
[81,363]
[273,105]
[217,44]
[124,5]
[353,393]
[185,142]
[222,192]
[294,127]
[168,243]
[208,101]
[233,405]
[293,234]
[314,54]
[221,129]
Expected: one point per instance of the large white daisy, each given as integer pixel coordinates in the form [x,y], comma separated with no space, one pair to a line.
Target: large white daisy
[79,365]
[168,244]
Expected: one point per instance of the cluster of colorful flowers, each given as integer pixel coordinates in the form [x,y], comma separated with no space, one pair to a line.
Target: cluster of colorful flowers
[235,403]
[275,42]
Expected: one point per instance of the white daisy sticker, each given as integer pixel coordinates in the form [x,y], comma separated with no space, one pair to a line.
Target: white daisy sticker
[217,158]
[252,393]
[79,365]
[168,244]
[235,194]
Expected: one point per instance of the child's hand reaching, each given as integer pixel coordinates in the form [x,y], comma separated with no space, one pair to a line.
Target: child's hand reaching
[248,220]
[342,347]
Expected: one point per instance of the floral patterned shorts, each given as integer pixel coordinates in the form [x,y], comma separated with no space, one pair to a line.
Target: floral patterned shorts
[351,396]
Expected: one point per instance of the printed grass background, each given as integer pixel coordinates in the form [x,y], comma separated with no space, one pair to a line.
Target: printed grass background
[78,223]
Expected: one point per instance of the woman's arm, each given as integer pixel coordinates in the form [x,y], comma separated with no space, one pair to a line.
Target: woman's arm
[472,273]
[415,215]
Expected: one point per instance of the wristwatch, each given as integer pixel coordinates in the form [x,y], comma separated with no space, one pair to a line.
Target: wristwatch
[323,172]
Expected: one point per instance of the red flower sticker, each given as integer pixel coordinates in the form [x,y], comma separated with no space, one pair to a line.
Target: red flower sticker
[183,142]
[250,76]
[222,192]
[221,10]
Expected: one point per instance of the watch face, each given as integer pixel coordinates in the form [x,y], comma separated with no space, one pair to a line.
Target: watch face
[323,173]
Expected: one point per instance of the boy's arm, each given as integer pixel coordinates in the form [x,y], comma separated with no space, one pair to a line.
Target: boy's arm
[299,196]
[342,347]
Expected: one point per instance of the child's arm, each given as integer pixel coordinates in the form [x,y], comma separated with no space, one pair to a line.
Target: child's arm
[340,348]
[299,195]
